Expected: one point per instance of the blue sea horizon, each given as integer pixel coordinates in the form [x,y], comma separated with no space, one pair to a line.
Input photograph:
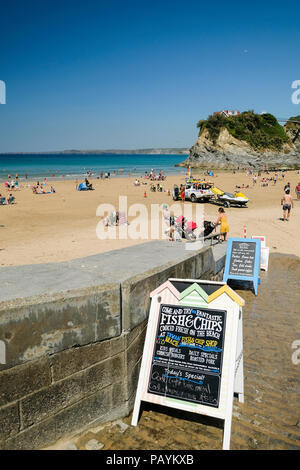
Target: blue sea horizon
[70,166]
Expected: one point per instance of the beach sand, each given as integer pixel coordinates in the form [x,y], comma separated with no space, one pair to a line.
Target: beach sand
[62,226]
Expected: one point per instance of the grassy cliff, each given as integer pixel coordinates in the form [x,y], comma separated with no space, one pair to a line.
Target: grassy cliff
[260,131]
[292,124]
[292,128]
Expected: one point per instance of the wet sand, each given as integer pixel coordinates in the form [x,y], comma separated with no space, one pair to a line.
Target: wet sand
[269,419]
[62,226]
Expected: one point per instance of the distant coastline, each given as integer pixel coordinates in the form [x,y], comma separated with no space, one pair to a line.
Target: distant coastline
[150,151]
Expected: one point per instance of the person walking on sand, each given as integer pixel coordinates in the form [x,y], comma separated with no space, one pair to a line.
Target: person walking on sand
[222,221]
[298,191]
[287,204]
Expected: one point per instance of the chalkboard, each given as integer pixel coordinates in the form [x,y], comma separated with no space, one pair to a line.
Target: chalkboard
[188,352]
[242,259]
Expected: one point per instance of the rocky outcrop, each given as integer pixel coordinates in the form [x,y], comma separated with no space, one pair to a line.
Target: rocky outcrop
[231,153]
[293,132]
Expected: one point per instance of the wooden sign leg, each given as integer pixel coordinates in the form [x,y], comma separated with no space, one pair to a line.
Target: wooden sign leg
[255,287]
[231,380]
[227,432]
[142,378]
[136,412]
[239,364]
[241,380]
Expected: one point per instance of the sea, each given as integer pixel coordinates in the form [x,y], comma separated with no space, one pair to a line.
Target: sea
[70,166]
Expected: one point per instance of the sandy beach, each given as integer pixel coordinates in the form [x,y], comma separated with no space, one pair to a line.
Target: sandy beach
[57,227]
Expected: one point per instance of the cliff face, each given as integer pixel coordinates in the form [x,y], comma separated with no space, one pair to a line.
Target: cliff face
[228,152]
[293,132]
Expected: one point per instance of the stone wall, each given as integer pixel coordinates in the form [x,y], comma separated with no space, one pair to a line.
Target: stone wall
[72,355]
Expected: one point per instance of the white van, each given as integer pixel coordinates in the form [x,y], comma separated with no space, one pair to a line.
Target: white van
[198,191]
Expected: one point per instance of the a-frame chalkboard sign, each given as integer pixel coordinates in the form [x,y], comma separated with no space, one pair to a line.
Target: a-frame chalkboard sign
[191,348]
[243,261]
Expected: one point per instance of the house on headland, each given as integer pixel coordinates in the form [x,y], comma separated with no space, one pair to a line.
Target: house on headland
[228,112]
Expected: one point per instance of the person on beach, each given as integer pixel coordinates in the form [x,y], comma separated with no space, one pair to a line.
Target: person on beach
[167,218]
[182,192]
[287,204]
[298,191]
[222,221]
[174,235]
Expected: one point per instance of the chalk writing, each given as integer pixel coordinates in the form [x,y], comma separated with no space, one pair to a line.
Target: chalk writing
[187,362]
[242,259]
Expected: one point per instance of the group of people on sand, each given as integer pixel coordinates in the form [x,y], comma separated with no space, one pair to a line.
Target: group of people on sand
[9,200]
[174,235]
[266,181]
[11,185]
[41,189]
[286,202]
[152,176]
[106,175]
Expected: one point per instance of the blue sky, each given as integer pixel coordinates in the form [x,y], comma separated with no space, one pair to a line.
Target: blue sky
[135,74]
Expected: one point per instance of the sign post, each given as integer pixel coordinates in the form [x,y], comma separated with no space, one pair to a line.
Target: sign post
[190,352]
[243,261]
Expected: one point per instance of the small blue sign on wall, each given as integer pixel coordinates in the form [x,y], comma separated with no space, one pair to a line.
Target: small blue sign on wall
[243,261]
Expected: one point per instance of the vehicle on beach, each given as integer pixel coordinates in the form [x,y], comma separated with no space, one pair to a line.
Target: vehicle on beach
[195,191]
[228,199]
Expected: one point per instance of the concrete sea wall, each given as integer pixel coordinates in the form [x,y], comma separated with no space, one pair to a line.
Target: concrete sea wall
[72,336]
